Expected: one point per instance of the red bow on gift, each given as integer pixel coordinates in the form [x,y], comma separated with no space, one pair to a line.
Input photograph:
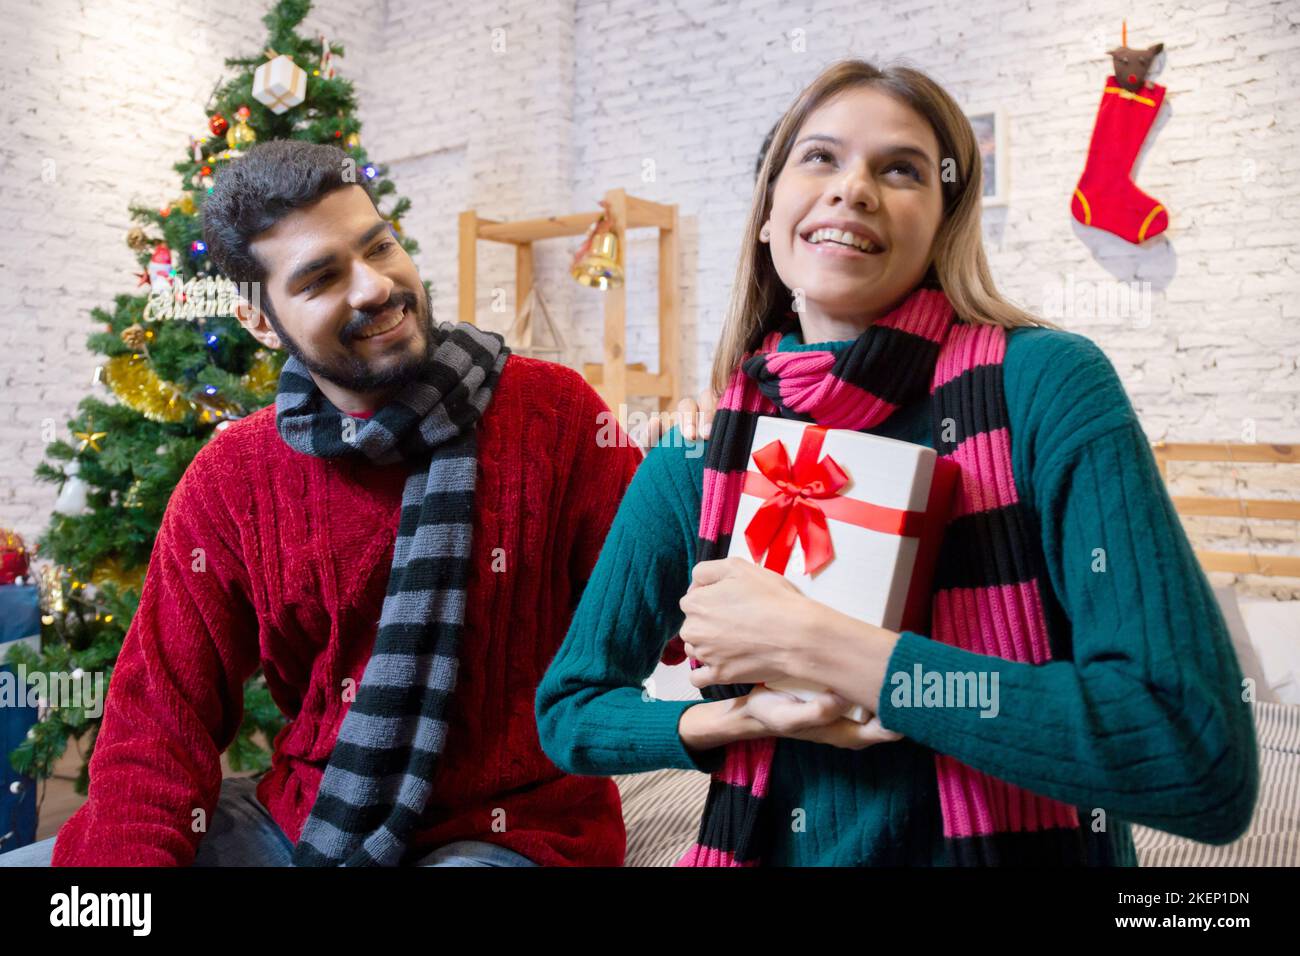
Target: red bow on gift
[798,500]
[793,511]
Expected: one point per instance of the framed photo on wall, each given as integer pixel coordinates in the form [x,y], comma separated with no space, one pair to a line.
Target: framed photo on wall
[991,133]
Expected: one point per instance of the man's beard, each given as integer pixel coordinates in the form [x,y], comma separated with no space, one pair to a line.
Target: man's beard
[352,372]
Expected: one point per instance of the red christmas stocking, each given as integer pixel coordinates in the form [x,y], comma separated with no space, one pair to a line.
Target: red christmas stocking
[1106,197]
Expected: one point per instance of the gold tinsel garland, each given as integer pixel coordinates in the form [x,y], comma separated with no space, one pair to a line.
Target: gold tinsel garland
[111,571]
[134,381]
[263,376]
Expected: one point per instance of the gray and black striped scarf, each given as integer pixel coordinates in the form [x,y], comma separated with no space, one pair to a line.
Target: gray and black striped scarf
[376,785]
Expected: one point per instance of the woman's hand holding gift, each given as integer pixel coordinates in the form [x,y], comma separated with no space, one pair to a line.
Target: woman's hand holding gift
[740,623]
[746,624]
[820,720]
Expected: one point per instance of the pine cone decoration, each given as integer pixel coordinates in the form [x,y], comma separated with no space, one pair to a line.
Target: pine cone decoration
[133,337]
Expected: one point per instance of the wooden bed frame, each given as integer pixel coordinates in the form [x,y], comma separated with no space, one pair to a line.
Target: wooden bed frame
[1206,506]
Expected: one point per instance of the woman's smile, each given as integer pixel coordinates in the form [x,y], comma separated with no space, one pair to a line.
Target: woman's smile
[837,248]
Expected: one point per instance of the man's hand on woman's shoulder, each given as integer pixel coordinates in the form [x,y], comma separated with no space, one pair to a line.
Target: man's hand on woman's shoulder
[693,415]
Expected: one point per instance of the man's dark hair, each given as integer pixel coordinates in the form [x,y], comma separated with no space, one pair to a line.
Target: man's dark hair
[257,190]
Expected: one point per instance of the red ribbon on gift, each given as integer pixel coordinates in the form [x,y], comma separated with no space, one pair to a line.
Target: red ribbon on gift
[798,500]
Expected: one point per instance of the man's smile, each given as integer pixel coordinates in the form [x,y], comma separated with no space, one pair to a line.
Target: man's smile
[382,326]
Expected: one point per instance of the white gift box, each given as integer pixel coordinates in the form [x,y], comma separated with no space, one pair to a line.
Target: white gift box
[883,525]
[280,84]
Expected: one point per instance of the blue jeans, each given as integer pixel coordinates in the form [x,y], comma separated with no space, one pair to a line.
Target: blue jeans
[243,833]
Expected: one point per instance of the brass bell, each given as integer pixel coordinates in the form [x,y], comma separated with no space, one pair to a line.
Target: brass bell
[598,264]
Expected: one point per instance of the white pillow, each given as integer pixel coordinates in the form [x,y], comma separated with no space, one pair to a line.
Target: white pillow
[1274,628]
[673,683]
[1242,644]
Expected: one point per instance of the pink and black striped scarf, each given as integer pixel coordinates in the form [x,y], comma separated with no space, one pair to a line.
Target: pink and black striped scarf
[988,586]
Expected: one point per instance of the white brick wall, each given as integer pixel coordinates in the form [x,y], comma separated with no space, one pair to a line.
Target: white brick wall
[585,93]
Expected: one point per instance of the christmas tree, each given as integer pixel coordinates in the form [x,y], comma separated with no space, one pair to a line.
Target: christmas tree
[178,367]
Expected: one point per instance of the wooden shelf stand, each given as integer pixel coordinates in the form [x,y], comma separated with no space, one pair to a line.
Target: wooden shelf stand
[613,378]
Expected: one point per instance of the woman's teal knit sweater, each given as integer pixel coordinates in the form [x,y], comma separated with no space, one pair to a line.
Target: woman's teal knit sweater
[1145,723]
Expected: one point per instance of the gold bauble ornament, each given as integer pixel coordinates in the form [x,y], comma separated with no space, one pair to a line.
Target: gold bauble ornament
[353,141]
[136,239]
[186,204]
[239,136]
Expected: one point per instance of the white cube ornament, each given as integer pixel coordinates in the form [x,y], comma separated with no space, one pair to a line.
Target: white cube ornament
[280,84]
[865,513]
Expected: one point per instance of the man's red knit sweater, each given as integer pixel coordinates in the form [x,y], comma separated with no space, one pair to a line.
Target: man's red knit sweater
[270,557]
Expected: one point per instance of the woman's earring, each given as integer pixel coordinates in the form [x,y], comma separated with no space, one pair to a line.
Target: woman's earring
[765,233]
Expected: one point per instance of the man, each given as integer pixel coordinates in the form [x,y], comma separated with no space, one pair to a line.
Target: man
[398,543]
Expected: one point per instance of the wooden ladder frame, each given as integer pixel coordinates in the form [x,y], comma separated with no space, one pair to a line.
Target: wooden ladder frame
[1208,506]
[613,378]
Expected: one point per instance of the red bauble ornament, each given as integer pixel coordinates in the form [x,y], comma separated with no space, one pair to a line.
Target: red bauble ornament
[13,557]
[217,123]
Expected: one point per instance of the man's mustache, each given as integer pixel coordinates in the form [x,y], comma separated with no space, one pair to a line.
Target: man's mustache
[360,320]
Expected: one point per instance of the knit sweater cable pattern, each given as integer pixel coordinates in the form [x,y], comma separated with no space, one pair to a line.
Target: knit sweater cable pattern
[295,558]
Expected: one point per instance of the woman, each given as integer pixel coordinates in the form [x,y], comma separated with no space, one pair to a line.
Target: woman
[1064,577]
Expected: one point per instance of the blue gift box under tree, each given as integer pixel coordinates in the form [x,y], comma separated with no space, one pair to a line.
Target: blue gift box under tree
[20,621]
